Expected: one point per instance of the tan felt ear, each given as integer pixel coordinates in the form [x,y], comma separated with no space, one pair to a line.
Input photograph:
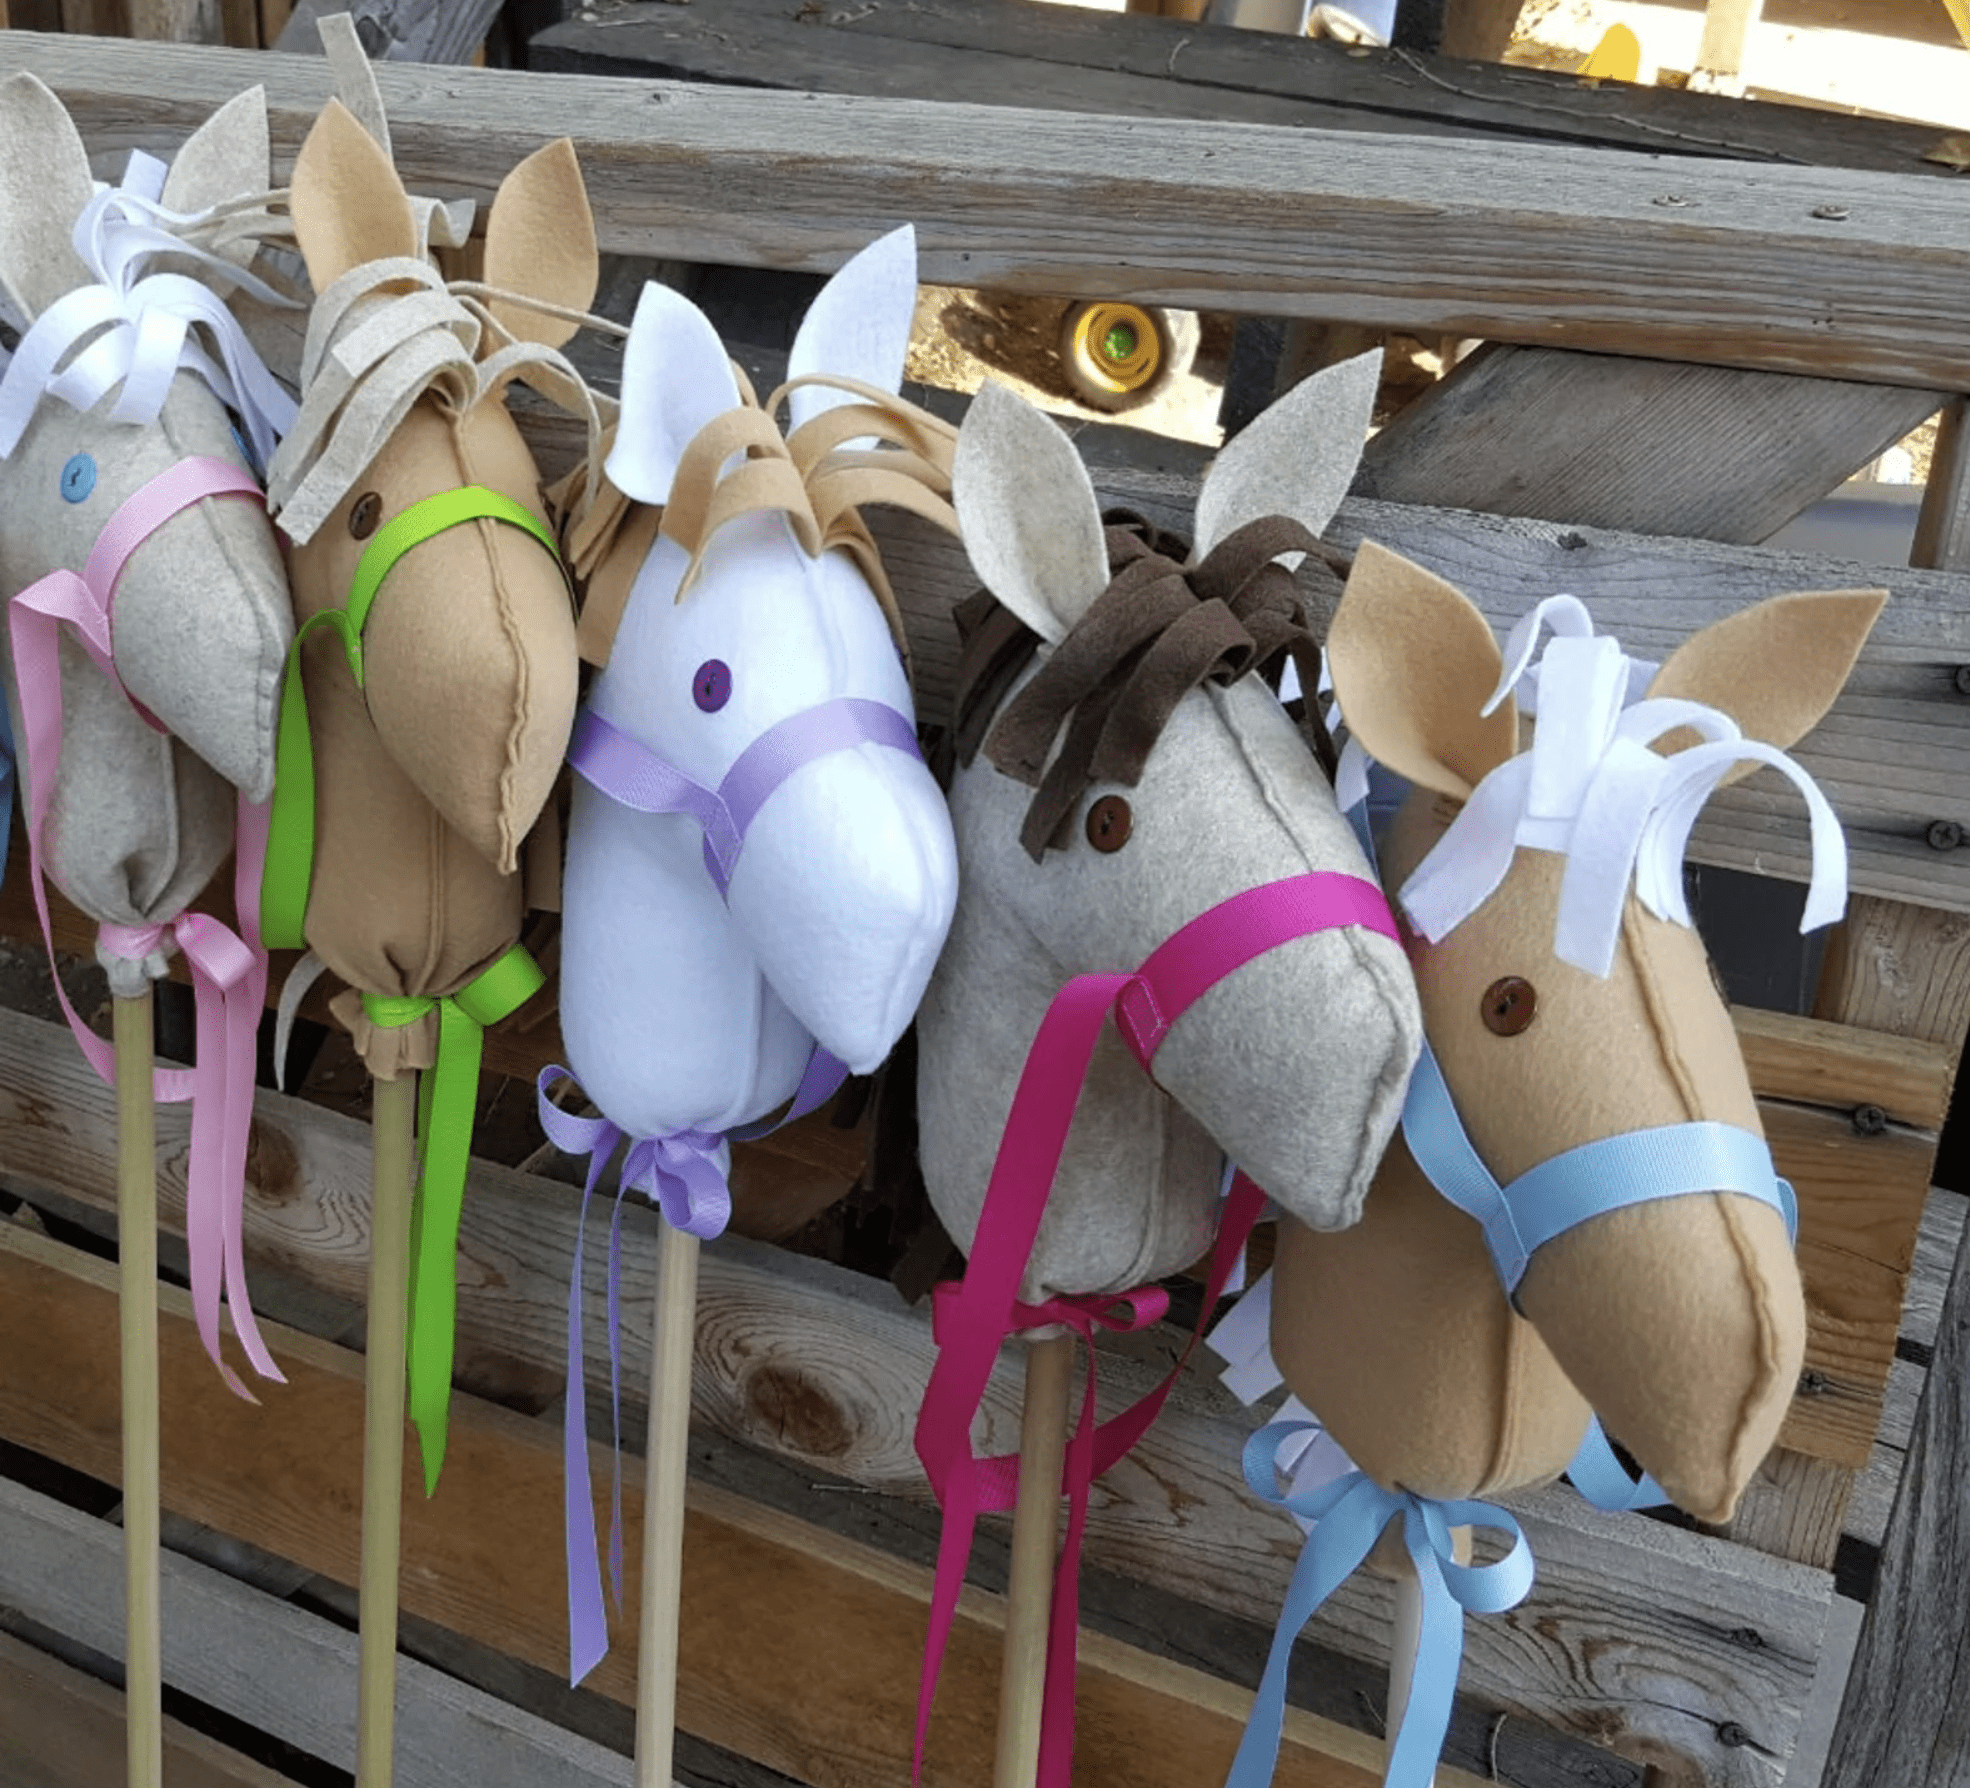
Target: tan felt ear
[349,206]
[44,183]
[540,240]
[1413,664]
[225,158]
[1775,667]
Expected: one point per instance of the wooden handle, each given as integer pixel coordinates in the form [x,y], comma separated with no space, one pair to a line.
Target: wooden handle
[1408,1629]
[673,1338]
[136,1241]
[393,1124]
[1035,1531]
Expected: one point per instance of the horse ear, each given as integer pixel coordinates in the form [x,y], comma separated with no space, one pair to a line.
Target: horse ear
[1774,667]
[1414,664]
[675,378]
[858,326]
[226,158]
[1027,513]
[349,207]
[540,241]
[44,184]
[1297,459]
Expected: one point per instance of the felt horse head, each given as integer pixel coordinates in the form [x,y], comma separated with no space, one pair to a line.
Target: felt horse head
[802,894]
[1578,1032]
[123,468]
[1134,777]
[440,712]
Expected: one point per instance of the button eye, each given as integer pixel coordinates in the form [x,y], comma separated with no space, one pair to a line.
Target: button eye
[78,478]
[711,685]
[1109,823]
[1508,1006]
[366,513]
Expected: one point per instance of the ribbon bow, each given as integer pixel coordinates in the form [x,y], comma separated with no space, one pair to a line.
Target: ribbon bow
[445,1107]
[1349,1515]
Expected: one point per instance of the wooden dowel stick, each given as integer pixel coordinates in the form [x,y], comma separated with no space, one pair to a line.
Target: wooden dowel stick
[1035,1531]
[673,1338]
[1408,1629]
[393,1123]
[136,1237]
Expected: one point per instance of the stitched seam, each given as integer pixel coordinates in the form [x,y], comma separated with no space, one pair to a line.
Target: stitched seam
[490,534]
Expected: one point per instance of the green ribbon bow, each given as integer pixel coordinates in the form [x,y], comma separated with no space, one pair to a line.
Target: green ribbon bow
[445,1106]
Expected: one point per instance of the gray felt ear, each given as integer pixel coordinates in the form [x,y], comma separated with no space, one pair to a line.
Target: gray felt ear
[1297,459]
[44,183]
[227,157]
[1027,513]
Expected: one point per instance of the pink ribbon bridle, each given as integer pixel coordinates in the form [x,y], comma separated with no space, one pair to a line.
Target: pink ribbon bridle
[975,1316]
[229,972]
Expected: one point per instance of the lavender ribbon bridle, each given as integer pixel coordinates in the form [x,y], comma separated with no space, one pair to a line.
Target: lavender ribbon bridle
[683,1172]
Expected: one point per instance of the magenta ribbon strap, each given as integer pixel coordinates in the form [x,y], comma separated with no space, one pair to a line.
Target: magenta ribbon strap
[974,1317]
[229,972]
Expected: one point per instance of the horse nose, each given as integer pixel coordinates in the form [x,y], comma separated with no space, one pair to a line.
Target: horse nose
[845,890]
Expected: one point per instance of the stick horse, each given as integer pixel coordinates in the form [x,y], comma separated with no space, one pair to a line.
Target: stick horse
[425,714]
[147,621]
[1581,1212]
[760,867]
[1143,833]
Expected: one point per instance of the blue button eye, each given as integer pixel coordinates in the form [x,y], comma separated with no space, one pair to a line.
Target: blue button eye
[711,685]
[78,478]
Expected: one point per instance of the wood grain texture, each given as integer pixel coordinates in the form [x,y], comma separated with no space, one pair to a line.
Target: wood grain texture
[799,1648]
[177,21]
[1629,1641]
[438,31]
[280,1669]
[1807,1061]
[1646,445]
[1892,967]
[1514,242]
[1906,1715]
[1942,531]
[61,1729]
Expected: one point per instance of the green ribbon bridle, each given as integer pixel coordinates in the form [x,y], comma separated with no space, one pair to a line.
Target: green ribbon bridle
[449,1094]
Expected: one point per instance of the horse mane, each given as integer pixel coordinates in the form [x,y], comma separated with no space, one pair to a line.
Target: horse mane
[1159,630]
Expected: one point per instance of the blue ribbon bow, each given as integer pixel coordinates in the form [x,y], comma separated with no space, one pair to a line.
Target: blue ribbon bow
[1350,1514]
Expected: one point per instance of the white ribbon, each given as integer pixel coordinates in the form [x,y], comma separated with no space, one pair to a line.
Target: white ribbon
[1593,790]
[140,330]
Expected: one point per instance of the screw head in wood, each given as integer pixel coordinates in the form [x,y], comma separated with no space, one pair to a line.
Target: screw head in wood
[1869,1120]
[1963,679]
[1944,835]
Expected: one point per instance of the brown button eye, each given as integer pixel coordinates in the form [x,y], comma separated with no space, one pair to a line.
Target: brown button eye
[1109,823]
[366,513]
[1508,1006]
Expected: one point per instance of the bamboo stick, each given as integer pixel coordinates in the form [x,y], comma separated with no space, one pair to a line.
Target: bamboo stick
[393,1120]
[673,1335]
[1035,1531]
[136,1232]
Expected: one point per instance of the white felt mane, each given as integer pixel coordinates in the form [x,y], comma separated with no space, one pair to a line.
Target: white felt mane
[1295,1065]
[682,1011]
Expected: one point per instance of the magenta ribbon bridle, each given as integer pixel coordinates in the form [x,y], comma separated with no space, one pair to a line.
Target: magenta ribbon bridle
[975,1316]
[229,971]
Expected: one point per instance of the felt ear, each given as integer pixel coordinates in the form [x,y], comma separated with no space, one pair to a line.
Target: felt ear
[1413,664]
[675,379]
[227,157]
[1774,667]
[349,207]
[1297,459]
[44,183]
[859,325]
[1027,513]
[540,241]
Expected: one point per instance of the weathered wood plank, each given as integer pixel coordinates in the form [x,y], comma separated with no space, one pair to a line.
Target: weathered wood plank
[61,1729]
[1840,1067]
[177,21]
[819,1366]
[1558,246]
[272,1665]
[1645,445]
[1942,533]
[798,1648]
[441,31]
[1906,1716]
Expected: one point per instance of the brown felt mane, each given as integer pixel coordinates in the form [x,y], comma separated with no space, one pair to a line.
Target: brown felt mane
[1159,630]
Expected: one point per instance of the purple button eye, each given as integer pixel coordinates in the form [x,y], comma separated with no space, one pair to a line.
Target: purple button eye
[711,686]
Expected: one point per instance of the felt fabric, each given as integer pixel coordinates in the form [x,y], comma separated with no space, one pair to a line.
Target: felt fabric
[1294,1066]
[679,1010]
[1680,1320]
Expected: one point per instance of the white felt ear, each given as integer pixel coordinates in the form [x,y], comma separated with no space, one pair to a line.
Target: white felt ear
[1027,513]
[675,379]
[859,326]
[1297,459]
[44,183]
[227,157]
